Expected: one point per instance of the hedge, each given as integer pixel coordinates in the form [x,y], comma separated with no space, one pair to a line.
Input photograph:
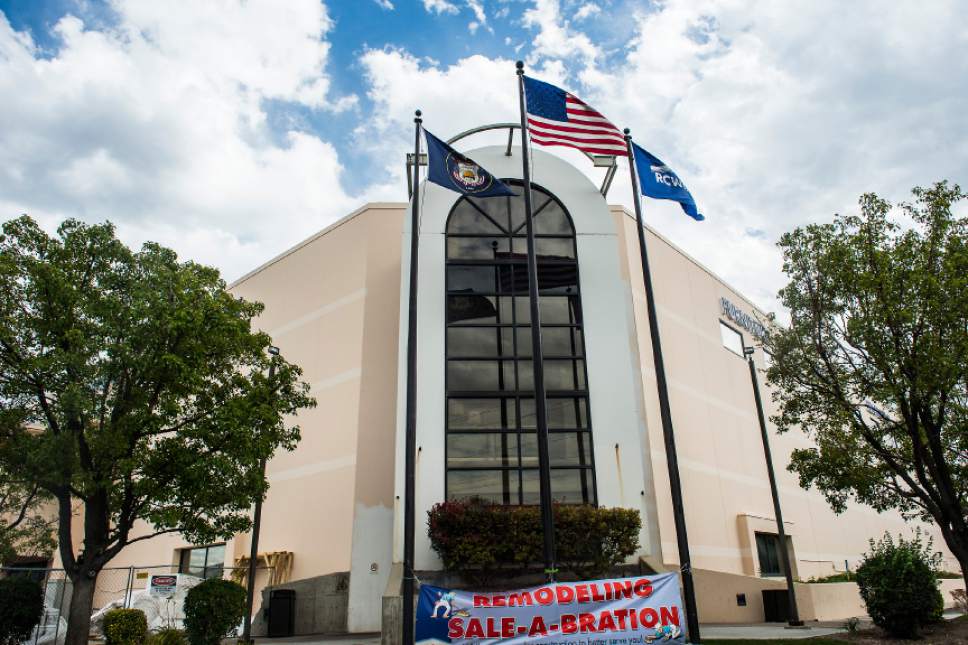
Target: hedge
[479,539]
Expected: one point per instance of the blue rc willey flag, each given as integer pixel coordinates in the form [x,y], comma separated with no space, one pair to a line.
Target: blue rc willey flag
[659,182]
[448,168]
[620,611]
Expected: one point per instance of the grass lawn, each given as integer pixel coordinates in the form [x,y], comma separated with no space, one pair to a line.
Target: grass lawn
[948,631]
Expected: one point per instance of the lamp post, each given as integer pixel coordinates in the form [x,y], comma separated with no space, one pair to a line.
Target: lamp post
[794,617]
[256,525]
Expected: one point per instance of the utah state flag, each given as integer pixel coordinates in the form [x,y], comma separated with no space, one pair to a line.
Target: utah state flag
[448,168]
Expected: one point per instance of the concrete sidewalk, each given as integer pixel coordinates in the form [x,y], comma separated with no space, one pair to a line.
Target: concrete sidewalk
[321,639]
[763,631]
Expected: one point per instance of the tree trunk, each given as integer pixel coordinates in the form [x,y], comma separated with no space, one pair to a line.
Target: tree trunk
[79,614]
[963,561]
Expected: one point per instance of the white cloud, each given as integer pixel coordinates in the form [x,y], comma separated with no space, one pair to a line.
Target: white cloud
[587,10]
[555,38]
[480,18]
[440,6]
[775,117]
[158,124]
[384,4]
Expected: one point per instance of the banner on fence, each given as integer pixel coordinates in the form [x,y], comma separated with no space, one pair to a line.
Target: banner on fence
[621,611]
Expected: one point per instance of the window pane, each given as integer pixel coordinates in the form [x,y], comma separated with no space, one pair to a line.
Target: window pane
[196,560]
[767,550]
[557,278]
[471,279]
[552,221]
[215,562]
[473,341]
[512,278]
[563,413]
[477,450]
[467,219]
[558,375]
[473,375]
[562,341]
[517,212]
[555,248]
[492,485]
[732,339]
[517,209]
[495,207]
[571,486]
[478,309]
[474,414]
[555,310]
[556,341]
[216,555]
[564,449]
[477,248]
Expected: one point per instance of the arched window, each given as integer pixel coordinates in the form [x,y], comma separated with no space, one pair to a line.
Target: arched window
[492,449]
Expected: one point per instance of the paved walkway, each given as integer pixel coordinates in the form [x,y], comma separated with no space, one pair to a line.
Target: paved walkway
[762,631]
[351,639]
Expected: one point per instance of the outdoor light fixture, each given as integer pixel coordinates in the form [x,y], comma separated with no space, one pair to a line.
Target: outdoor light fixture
[272,349]
[793,616]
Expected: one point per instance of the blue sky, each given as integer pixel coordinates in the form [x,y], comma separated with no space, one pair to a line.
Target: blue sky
[230,130]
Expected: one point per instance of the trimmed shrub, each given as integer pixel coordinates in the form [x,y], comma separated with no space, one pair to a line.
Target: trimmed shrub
[21,607]
[125,627]
[168,636]
[479,539]
[899,585]
[213,608]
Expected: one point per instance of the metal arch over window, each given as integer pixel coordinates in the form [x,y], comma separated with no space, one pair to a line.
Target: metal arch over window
[492,450]
[600,161]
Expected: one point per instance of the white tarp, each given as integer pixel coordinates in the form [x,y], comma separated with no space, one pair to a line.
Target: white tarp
[161,611]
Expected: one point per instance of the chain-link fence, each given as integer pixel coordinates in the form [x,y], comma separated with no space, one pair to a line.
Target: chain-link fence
[115,587]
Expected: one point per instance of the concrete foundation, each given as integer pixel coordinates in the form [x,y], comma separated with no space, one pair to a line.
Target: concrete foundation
[321,605]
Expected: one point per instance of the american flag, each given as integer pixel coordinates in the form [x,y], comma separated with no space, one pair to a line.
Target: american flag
[557,118]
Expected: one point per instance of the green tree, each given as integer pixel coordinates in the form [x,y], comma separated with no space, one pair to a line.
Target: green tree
[874,364]
[25,529]
[132,388]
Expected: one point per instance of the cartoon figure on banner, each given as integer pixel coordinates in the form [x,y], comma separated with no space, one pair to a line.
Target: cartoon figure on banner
[664,633]
[443,601]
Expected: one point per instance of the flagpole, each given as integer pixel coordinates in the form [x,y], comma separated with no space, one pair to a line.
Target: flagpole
[672,461]
[410,448]
[537,353]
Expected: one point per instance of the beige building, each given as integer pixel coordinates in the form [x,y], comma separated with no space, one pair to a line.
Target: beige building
[336,305]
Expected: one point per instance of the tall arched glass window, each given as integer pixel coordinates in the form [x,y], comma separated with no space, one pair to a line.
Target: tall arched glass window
[492,449]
